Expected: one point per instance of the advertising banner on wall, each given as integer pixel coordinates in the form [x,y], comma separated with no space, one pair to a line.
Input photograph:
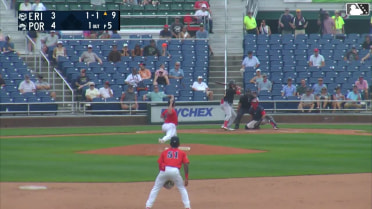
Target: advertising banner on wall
[189,112]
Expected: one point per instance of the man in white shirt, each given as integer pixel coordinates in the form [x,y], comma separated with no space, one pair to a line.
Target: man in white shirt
[200,85]
[316,60]
[250,61]
[50,41]
[106,91]
[92,92]
[27,86]
[133,79]
[26,6]
[38,6]
[203,16]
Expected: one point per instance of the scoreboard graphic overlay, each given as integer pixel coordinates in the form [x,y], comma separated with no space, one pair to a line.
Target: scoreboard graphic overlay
[68,20]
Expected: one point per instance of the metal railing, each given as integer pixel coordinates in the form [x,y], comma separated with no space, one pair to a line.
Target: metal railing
[65,83]
[5,4]
[28,38]
[252,5]
[225,53]
[48,66]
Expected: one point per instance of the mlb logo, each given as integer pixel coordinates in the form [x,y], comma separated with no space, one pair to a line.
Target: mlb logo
[357,9]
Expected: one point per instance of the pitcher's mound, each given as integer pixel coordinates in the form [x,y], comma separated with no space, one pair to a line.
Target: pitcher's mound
[156,149]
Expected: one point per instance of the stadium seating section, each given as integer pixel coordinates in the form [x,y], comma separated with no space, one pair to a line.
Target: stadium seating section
[284,56]
[13,69]
[193,55]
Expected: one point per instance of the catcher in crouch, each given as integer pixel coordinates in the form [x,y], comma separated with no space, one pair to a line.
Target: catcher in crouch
[259,116]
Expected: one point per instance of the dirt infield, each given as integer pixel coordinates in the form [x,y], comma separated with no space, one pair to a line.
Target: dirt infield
[349,191]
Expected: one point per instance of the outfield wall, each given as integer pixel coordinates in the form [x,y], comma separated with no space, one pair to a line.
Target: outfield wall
[16,122]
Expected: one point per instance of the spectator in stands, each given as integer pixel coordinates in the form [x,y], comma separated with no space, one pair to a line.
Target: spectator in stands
[318,86]
[200,85]
[368,55]
[125,51]
[133,79]
[129,99]
[198,5]
[204,16]
[92,92]
[49,42]
[156,95]
[257,78]
[2,81]
[33,37]
[151,50]
[2,37]
[38,6]
[90,56]
[362,86]
[161,68]
[285,21]
[25,6]
[104,35]
[114,56]
[27,85]
[81,81]
[328,26]
[289,89]
[316,60]
[265,84]
[176,72]
[338,99]
[59,51]
[202,33]
[176,27]
[144,72]
[138,51]
[250,24]
[307,101]
[184,33]
[367,42]
[165,33]
[339,23]
[323,99]
[353,98]
[106,91]
[161,77]
[351,55]
[301,89]
[164,50]
[264,29]
[42,85]
[250,61]
[8,46]
[299,23]
[115,35]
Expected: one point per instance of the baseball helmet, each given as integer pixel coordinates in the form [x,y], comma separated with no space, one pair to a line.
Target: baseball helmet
[175,142]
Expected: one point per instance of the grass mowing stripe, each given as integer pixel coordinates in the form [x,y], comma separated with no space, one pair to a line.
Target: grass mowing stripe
[54,159]
[122,129]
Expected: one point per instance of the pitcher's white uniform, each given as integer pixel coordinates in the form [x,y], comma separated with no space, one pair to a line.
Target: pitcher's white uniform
[170,163]
[170,125]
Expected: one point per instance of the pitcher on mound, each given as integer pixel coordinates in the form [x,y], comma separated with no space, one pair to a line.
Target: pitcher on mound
[170,121]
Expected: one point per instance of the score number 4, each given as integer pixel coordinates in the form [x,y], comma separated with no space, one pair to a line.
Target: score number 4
[53,18]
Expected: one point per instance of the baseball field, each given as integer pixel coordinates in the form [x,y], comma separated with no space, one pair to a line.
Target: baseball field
[304,166]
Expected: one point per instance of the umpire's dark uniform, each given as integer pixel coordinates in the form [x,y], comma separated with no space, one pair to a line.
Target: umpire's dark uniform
[243,107]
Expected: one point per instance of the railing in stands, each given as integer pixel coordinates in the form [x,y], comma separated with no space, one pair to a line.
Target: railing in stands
[225,53]
[252,5]
[65,83]
[48,66]
[28,38]
[5,5]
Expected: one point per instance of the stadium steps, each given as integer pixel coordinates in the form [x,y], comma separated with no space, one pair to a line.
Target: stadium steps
[275,5]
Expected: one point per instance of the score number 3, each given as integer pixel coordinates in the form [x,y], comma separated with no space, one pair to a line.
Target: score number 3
[53,18]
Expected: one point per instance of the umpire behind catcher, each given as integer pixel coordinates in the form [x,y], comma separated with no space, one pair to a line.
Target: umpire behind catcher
[243,106]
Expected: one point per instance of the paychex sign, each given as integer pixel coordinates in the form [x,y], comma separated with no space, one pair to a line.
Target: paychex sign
[189,112]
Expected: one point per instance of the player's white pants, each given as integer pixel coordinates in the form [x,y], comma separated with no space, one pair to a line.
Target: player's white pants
[170,130]
[173,174]
[252,123]
[230,113]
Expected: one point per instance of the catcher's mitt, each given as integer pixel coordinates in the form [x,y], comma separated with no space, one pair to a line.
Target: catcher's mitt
[168,184]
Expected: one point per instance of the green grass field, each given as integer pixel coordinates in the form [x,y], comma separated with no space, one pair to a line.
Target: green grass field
[54,159]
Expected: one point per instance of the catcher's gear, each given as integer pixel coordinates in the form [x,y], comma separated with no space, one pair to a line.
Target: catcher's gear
[175,142]
[254,103]
[168,184]
[257,124]
[271,120]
